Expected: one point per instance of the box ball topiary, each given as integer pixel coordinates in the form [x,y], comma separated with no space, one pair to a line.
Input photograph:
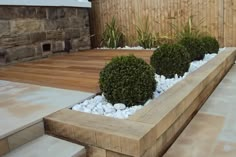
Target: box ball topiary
[128,80]
[194,47]
[210,44]
[171,59]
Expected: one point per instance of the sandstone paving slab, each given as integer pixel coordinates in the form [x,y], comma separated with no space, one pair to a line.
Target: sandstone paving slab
[212,132]
[224,149]
[47,146]
[195,140]
[22,105]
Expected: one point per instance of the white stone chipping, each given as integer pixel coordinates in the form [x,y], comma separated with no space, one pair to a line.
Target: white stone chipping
[126,48]
[100,106]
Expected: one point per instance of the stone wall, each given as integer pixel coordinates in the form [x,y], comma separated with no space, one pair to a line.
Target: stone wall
[33,32]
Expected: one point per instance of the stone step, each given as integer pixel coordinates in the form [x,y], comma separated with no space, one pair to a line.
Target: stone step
[48,146]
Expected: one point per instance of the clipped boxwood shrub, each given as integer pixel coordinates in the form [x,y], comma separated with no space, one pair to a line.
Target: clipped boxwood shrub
[194,47]
[171,59]
[128,80]
[211,45]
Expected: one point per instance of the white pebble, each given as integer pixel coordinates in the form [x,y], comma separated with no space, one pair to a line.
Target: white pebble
[119,106]
[109,115]
[87,110]
[109,105]
[100,111]
[98,98]
[99,105]
[91,106]
[109,110]
[76,107]
[119,114]
[86,102]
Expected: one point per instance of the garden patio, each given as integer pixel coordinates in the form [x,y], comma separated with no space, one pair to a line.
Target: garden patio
[27,104]
[96,78]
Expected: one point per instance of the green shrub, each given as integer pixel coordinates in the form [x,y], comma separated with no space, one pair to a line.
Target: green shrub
[112,36]
[146,38]
[171,59]
[210,44]
[194,47]
[128,80]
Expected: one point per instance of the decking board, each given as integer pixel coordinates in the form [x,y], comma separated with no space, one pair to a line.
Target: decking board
[75,71]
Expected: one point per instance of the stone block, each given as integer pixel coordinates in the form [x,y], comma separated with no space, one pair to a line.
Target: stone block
[26,26]
[84,32]
[41,12]
[3,147]
[4,27]
[69,12]
[75,44]
[48,146]
[37,37]
[82,43]
[13,12]
[58,46]
[87,23]
[18,53]
[38,50]
[3,53]
[82,12]
[7,13]
[76,22]
[31,26]
[57,13]
[25,12]
[72,33]
[60,13]
[52,13]
[51,25]
[26,135]
[58,24]
[14,40]
[55,35]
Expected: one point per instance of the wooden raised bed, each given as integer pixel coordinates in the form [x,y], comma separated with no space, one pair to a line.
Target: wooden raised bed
[151,130]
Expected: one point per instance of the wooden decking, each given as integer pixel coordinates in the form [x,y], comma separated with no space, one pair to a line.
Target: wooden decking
[76,71]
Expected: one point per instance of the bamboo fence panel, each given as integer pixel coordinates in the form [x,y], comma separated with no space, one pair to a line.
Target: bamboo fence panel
[218,16]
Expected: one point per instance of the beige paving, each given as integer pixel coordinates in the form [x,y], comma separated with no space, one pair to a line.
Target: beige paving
[212,132]
[26,135]
[47,146]
[4,147]
[22,105]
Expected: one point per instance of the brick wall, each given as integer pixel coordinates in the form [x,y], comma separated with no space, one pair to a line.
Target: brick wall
[33,32]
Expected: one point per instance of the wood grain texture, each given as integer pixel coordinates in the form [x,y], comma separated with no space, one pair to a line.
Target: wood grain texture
[152,129]
[76,71]
[218,15]
[95,152]
[190,89]
[122,136]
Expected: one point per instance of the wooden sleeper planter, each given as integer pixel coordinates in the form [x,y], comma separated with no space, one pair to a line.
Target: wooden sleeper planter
[151,130]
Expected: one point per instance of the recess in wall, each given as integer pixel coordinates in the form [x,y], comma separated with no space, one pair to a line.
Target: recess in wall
[46,47]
